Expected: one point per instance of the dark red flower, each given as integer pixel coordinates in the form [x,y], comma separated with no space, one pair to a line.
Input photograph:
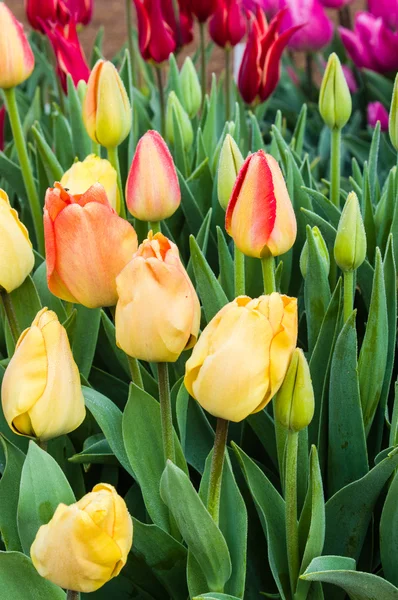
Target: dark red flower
[227,25]
[58,12]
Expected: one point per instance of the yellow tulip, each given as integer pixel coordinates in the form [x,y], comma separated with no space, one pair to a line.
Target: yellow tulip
[158,311]
[93,169]
[242,356]
[16,254]
[85,544]
[41,392]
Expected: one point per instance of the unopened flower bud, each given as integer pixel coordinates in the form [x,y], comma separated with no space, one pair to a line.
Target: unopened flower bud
[229,165]
[294,405]
[320,245]
[174,107]
[190,88]
[350,243]
[393,120]
[335,103]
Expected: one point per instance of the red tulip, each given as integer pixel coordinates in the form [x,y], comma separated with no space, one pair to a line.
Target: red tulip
[68,52]
[227,25]
[260,68]
[203,9]
[58,11]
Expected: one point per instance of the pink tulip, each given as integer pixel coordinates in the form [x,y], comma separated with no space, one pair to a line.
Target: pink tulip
[317,30]
[58,11]
[387,10]
[377,112]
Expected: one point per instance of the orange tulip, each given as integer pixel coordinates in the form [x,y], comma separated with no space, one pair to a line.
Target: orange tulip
[260,216]
[16,56]
[87,245]
[152,190]
[158,311]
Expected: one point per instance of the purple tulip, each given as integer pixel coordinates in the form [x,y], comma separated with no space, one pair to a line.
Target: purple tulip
[318,29]
[377,112]
[387,10]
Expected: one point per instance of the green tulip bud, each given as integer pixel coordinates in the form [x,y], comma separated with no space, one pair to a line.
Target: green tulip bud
[393,120]
[350,243]
[229,165]
[174,107]
[335,103]
[295,403]
[321,249]
[190,88]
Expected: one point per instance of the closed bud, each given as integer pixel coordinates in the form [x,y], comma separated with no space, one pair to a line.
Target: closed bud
[229,165]
[190,88]
[41,392]
[106,108]
[85,544]
[93,169]
[350,243]
[242,356]
[16,254]
[320,247]
[335,103]
[16,56]
[295,403]
[152,189]
[158,311]
[260,216]
[176,112]
[393,119]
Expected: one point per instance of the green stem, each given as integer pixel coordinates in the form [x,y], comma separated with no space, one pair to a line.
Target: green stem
[267,264]
[309,73]
[227,83]
[130,40]
[239,272]
[162,103]
[10,315]
[96,148]
[72,595]
[203,75]
[335,167]
[291,508]
[135,372]
[217,463]
[113,157]
[165,412]
[26,168]
[155,226]
[42,444]
[348,294]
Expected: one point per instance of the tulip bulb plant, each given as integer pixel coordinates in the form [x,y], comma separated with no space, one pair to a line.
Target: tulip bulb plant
[198,302]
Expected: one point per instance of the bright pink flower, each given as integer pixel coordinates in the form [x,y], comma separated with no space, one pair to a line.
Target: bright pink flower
[227,25]
[377,112]
[68,52]
[317,30]
[2,125]
[58,11]
[260,68]
[387,10]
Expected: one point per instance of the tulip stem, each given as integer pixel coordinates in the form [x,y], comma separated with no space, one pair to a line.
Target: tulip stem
[267,264]
[239,272]
[72,595]
[113,157]
[130,40]
[335,166]
[26,168]
[165,412]
[162,104]
[217,464]
[154,226]
[291,508]
[348,294]
[135,372]
[43,444]
[227,83]
[10,315]
[202,60]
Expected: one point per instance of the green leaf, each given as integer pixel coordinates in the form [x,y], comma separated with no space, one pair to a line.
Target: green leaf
[299,131]
[389,533]
[368,217]
[85,337]
[96,450]
[46,297]
[257,142]
[9,493]
[202,240]
[179,152]
[202,536]
[51,165]
[373,159]
[263,426]
[81,141]
[359,586]
[43,487]
[347,457]
[210,127]
[226,265]
[215,596]
[330,210]
[26,304]
[349,511]
[12,174]
[63,145]
[190,207]
[141,423]
[20,580]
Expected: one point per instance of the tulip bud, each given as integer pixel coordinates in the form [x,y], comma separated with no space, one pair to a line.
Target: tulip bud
[41,392]
[93,169]
[335,103]
[85,544]
[242,356]
[106,108]
[260,216]
[229,165]
[295,403]
[190,88]
[350,243]
[87,245]
[16,56]
[158,311]
[16,254]
[174,107]
[321,249]
[152,189]
[393,120]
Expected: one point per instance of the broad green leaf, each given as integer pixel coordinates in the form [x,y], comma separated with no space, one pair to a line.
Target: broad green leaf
[63,145]
[330,210]
[46,297]
[202,240]
[20,580]
[9,493]
[96,450]
[368,217]
[210,127]
[389,533]
[85,338]
[263,426]
[51,165]
[12,174]
[26,304]
[226,265]
[215,596]
[257,142]
[190,207]
[81,141]
[373,160]
[299,131]
[179,152]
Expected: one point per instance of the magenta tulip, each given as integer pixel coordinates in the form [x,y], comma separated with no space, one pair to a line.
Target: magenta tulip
[377,112]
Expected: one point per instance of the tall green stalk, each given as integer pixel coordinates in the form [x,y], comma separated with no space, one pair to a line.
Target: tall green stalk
[165,412]
[217,464]
[10,315]
[203,74]
[26,168]
[154,226]
[130,40]
[113,156]
[162,101]
[72,595]
[135,372]
[227,83]
[291,508]
[348,294]
[267,264]
[335,166]
[239,272]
